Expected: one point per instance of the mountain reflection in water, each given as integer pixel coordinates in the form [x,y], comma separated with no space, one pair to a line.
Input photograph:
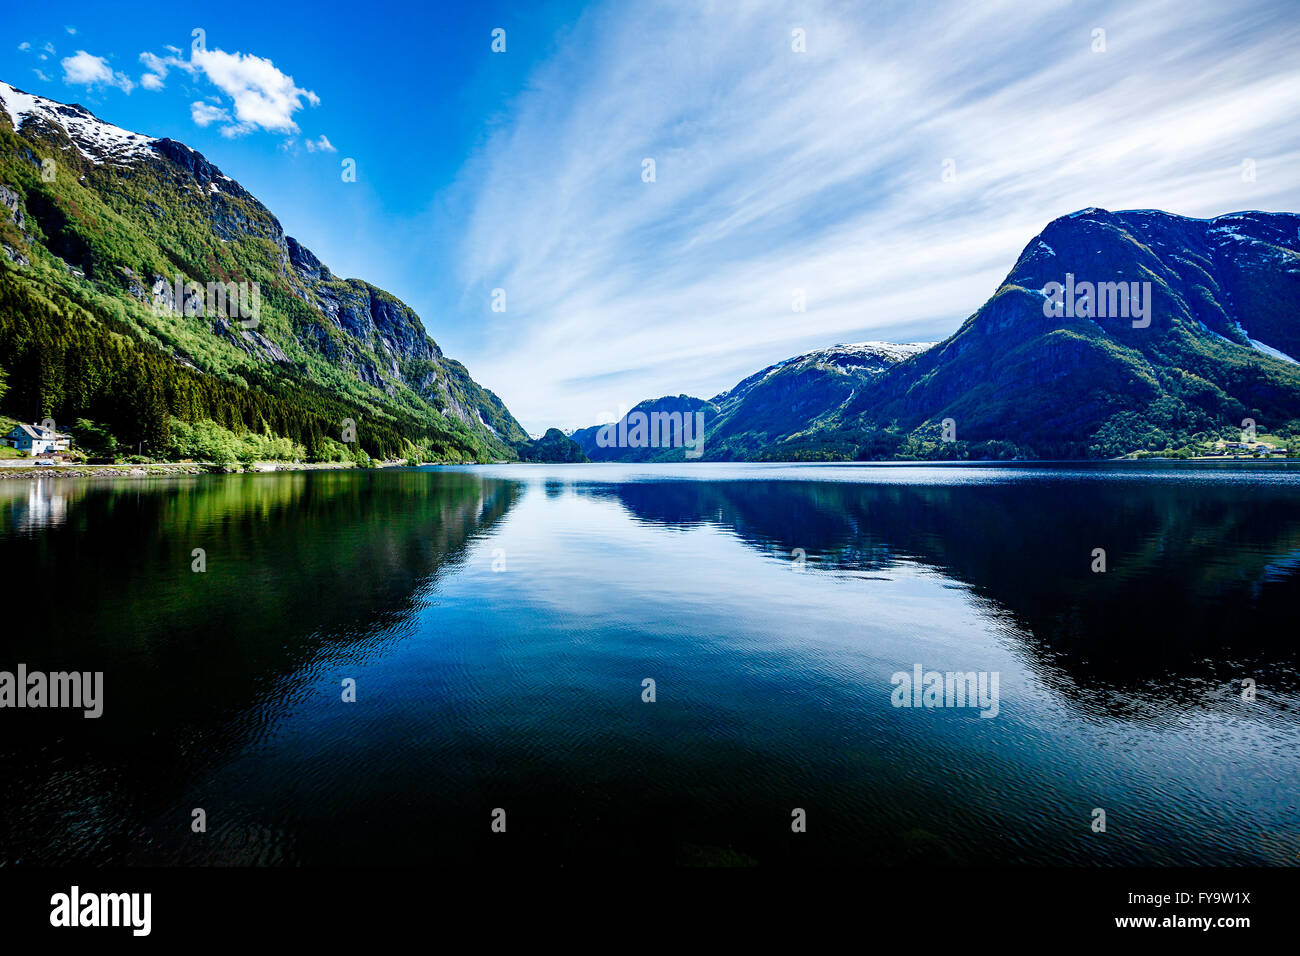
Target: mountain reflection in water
[499,622]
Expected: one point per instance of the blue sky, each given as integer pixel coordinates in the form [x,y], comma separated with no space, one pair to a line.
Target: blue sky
[776,169]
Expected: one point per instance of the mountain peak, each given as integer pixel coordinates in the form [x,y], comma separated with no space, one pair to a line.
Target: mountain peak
[141,214]
[846,358]
[98,141]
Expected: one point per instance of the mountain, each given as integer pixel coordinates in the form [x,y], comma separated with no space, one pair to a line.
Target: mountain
[554,446]
[1216,344]
[769,408]
[98,225]
[1218,347]
[807,392]
[103,228]
[680,406]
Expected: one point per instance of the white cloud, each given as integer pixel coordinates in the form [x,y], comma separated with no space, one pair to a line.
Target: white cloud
[41,76]
[321,145]
[24,46]
[84,69]
[822,170]
[204,114]
[158,67]
[159,64]
[72,31]
[263,96]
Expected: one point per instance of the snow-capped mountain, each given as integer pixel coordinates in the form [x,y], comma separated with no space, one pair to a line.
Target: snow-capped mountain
[862,358]
[121,215]
[96,140]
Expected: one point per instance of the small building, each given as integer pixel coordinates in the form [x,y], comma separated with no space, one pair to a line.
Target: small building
[37,440]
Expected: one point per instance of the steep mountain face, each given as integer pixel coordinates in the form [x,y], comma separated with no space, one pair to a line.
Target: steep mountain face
[1171,331]
[801,394]
[107,220]
[1216,345]
[770,407]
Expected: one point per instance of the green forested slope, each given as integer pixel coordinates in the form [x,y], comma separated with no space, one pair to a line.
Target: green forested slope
[95,231]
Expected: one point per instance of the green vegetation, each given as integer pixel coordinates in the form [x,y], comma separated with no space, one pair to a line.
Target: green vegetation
[6,426]
[79,337]
[1226,443]
[554,446]
[1016,383]
[94,440]
[71,360]
[209,442]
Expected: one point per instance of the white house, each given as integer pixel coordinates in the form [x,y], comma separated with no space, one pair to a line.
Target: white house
[37,440]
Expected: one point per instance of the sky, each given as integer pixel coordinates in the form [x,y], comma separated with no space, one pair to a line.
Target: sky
[884,163]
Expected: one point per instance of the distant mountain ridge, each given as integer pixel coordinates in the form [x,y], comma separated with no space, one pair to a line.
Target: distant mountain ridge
[1218,348]
[769,407]
[106,219]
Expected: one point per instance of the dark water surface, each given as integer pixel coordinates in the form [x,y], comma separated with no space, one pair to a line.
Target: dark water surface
[499,622]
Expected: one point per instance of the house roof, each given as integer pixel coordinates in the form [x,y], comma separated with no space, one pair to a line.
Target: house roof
[39,433]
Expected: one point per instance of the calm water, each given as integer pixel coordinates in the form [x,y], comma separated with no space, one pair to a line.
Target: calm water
[499,623]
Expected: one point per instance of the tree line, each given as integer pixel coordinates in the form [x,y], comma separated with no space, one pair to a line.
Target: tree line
[69,360]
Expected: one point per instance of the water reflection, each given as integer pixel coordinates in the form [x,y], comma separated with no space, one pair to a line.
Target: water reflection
[33,504]
[499,623]
[1201,584]
[302,570]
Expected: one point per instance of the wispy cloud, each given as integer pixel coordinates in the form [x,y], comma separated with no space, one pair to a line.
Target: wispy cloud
[205,114]
[320,145]
[158,67]
[823,171]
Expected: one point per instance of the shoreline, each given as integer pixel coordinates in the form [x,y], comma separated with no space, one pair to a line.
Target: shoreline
[173,469]
[184,469]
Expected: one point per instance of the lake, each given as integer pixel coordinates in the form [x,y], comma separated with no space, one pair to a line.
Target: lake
[500,623]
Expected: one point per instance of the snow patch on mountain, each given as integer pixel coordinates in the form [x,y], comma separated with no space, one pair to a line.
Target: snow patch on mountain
[98,141]
[866,354]
[847,358]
